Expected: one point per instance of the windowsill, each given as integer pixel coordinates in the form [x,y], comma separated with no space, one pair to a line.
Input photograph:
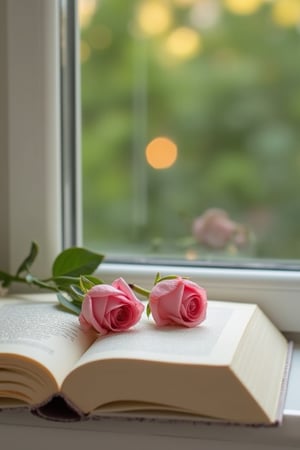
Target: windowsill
[18,427]
[267,288]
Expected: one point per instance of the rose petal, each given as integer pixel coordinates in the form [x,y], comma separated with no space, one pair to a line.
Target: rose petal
[110,307]
[88,314]
[178,301]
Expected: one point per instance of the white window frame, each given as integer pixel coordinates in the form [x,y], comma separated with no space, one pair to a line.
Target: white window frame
[30,171]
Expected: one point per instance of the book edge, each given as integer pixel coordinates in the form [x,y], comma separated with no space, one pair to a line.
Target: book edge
[284,383]
[61,409]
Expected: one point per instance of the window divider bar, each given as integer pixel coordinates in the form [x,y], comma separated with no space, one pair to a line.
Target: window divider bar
[70,126]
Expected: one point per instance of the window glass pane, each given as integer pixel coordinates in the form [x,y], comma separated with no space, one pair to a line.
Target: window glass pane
[190,128]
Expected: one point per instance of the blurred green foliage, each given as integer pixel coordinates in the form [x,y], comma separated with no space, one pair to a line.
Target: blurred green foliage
[234,111]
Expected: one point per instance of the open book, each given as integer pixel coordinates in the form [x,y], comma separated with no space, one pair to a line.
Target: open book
[230,368]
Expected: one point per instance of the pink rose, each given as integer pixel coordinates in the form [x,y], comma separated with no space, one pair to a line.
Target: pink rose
[178,301]
[215,229]
[110,308]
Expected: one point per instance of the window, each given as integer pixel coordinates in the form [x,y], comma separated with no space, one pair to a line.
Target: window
[190,129]
[31,183]
[225,93]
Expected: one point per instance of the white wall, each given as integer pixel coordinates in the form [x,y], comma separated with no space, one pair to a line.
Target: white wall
[30,138]
[4,211]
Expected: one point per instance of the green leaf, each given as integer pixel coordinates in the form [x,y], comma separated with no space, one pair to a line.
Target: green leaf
[87,282]
[25,265]
[76,261]
[76,292]
[93,279]
[157,278]
[68,304]
[148,310]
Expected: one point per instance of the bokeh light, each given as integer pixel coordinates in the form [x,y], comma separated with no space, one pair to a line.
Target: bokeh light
[205,14]
[153,17]
[161,153]
[286,13]
[243,7]
[86,10]
[183,43]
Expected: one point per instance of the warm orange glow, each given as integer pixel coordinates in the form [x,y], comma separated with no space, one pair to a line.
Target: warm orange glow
[183,43]
[243,7]
[154,17]
[161,153]
[286,13]
[191,255]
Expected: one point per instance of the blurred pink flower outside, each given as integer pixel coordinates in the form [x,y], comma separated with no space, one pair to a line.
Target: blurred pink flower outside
[215,229]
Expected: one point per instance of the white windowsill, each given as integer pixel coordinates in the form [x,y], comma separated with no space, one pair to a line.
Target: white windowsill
[18,427]
[277,292]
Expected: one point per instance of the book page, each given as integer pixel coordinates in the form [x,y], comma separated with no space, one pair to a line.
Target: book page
[178,344]
[43,332]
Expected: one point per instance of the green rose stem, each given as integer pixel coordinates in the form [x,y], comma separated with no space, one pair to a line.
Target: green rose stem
[71,275]
[145,292]
[140,290]
[29,280]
